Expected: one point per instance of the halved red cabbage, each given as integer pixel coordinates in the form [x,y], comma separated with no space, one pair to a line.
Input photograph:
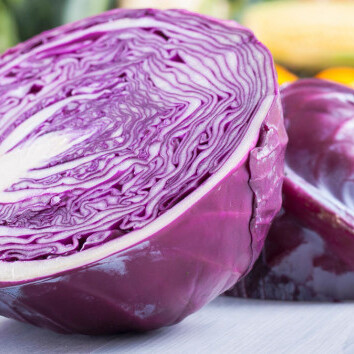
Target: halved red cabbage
[309,252]
[142,157]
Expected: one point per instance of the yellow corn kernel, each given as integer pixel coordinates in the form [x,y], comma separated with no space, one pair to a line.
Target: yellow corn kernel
[284,76]
[343,75]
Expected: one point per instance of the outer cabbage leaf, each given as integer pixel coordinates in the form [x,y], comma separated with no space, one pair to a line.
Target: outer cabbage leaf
[143,153]
[308,254]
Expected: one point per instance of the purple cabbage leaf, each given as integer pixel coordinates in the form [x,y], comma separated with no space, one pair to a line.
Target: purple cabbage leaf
[309,252]
[142,162]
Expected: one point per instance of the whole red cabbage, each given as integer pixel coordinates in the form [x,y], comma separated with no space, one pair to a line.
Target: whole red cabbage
[309,252]
[142,158]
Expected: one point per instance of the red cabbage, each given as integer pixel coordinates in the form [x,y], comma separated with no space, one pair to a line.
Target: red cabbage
[309,252]
[142,153]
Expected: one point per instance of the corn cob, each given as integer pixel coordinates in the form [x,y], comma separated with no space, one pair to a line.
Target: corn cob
[305,35]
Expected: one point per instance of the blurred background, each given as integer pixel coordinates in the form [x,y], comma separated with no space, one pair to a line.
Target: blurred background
[306,37]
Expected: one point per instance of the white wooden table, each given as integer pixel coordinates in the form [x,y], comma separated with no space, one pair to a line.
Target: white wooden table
[226,325]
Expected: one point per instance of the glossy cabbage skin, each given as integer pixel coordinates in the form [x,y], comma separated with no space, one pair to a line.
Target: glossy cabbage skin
[309,252]
[173,271]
